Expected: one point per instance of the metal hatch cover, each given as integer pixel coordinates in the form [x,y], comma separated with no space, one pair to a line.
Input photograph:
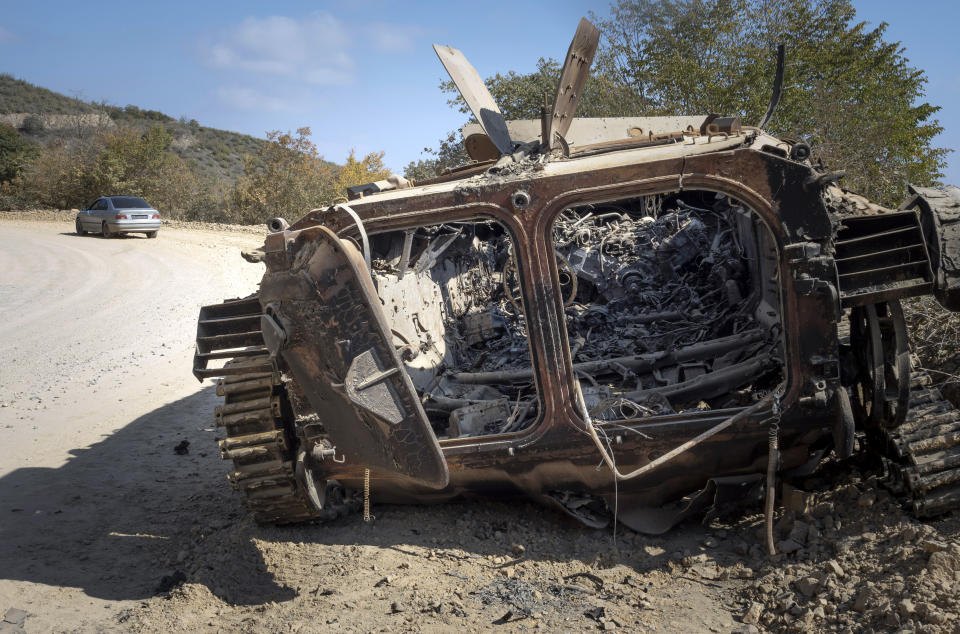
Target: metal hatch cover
[342,356]
[477,96]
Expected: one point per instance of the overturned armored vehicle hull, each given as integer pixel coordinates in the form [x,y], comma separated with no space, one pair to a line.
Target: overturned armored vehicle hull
[686,302]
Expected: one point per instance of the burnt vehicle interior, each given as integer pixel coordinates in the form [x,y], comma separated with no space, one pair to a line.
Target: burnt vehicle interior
[447,292]
[672,306]
[670,301]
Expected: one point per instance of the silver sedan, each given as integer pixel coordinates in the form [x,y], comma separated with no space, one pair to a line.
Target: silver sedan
[112,215]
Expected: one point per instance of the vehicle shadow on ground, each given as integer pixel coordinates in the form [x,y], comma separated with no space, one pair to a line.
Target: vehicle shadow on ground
[116,517]
[486,529]
[119,236]
[128,518]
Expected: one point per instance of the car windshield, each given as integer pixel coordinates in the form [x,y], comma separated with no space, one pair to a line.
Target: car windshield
[129,202]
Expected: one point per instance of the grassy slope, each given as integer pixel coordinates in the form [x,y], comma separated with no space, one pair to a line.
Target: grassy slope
[217,155]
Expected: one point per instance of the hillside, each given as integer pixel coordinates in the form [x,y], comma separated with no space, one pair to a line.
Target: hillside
[43,115]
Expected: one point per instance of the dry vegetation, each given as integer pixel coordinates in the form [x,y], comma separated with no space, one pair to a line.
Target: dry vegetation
[935,339]
[56,151]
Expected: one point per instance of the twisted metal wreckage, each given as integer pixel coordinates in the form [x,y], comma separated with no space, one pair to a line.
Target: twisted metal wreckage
[688,300]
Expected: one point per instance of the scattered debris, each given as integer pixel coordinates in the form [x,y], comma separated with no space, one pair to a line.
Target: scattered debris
[858,566]
[182,448]
[505,618]
[15,616]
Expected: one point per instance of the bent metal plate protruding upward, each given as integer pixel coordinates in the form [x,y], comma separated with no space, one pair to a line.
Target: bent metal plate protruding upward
[478,98]
[340,350]
[573,77]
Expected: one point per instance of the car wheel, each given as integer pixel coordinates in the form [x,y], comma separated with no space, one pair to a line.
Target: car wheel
[151,234]
[80,230]
[105,231]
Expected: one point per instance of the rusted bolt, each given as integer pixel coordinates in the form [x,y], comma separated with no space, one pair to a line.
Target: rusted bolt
[520,200]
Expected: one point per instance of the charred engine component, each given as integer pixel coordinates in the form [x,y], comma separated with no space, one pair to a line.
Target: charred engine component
[686,301]
[664,274]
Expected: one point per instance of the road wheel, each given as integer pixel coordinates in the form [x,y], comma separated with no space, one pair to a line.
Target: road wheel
[151,234]
[80,230]
[105,231]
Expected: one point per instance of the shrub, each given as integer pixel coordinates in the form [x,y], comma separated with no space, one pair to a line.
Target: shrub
[15,153]
[286,177]
[33,125]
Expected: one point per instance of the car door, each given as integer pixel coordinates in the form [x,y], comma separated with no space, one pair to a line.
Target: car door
[325,320]
[82,217]
[106,212]
[98,213]
[87,218]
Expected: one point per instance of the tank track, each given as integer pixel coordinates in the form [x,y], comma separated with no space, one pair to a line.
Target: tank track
[923,454]
[261,439]
[258,444]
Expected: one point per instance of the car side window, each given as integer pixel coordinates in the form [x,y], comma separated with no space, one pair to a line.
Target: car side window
[98,205]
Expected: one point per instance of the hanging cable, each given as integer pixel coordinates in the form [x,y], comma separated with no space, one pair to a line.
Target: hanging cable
[770,400]
[367,517]
[773,462]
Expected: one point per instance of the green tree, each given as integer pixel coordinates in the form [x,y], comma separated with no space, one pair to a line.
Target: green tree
[70,174]
[60,176]
[847,92]
[850,94]
[143,165]
[33,125]
[358,172]
[286,177]
[15,153]
[449,154]
[521,96]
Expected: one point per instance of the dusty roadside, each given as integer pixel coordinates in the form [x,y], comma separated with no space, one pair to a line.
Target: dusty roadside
[104,527]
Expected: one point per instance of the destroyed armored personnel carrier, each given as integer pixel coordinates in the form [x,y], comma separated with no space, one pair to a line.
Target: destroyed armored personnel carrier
[657,314]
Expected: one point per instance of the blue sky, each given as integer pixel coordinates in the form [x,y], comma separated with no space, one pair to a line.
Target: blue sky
[361,74]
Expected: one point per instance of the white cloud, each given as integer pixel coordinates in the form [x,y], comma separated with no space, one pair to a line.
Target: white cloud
[393,37]
[249,99]
[313,49]
[6,37]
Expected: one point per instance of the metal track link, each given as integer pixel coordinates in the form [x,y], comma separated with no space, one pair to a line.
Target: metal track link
[257,444]
[925,450]
[261,441]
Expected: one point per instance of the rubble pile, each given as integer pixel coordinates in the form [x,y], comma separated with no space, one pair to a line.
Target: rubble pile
[845,566]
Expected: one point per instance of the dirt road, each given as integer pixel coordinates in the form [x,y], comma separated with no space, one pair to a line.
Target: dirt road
[104,527]
[95,390]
